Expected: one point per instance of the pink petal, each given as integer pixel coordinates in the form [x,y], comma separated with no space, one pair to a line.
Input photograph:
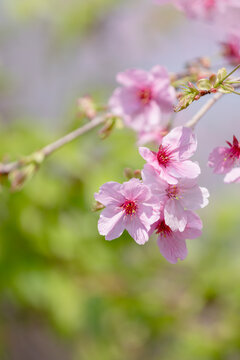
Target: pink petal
[160,72]
[133,77]
[175,215]
[126,101]
[155,136]
[136,121]
[165,175]
[148,215]
[135,190]
[220,161]
[148,155]
[193,228]
[151,176]
[111,223]
[182,140]
[233,176]
[172,248]
[166,99]
[186,169]
[110,194]
[153,115]
[194,197]
[137,230]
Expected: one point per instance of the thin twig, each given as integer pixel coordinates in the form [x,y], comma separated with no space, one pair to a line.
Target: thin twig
[5,169]
[47,150]
[192,123]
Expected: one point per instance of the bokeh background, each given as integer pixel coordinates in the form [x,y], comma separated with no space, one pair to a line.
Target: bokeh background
[66,293]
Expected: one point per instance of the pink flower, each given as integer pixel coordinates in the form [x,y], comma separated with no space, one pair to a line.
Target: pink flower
[171,243]
[144,98]
[233,176]
[223,159]
[128,206]
[171,160]
[175,198]
[206,9]
[231,48]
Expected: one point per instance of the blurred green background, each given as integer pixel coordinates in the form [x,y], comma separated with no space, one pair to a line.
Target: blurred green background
[66,293]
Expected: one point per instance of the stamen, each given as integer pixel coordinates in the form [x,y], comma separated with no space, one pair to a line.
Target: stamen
[172,191]
[234,151]
[129,207]
[145,95]
[163,156]
[163,229]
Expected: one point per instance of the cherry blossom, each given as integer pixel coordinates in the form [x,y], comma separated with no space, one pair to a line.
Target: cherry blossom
[222,159]
[172,244]
[175,199]
[231,48]
[171,160]
[127,206]
[144,98]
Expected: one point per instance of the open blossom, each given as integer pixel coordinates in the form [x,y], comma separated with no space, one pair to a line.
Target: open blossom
[144,98]
[231,48]
[128,206]
[175,199]
[171,160]
[222,159]
[206,9]
[172,244]
[233,176]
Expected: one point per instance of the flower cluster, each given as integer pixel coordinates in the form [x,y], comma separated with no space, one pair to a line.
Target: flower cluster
[162,202]
[226,160]
[144,101]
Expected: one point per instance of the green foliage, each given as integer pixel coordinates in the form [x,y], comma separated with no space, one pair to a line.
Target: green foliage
[68,17]
[118,299]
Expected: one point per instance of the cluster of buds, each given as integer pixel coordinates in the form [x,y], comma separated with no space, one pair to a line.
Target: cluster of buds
[25,170]
[194,70]
[219,82]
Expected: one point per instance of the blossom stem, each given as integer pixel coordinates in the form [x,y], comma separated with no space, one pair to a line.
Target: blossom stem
[192,123]
[233,71]
[235,92]
[7,168]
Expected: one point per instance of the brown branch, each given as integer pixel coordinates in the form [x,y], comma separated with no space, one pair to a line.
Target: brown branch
[192,123]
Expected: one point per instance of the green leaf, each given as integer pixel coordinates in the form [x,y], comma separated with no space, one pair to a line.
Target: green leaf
[204,84]
[221,74]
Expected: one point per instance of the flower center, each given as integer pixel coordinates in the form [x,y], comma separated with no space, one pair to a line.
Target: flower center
[172,191]
[129,207]
[234,151]
[145,95]
[209,4]
[163,229]
[163,156]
